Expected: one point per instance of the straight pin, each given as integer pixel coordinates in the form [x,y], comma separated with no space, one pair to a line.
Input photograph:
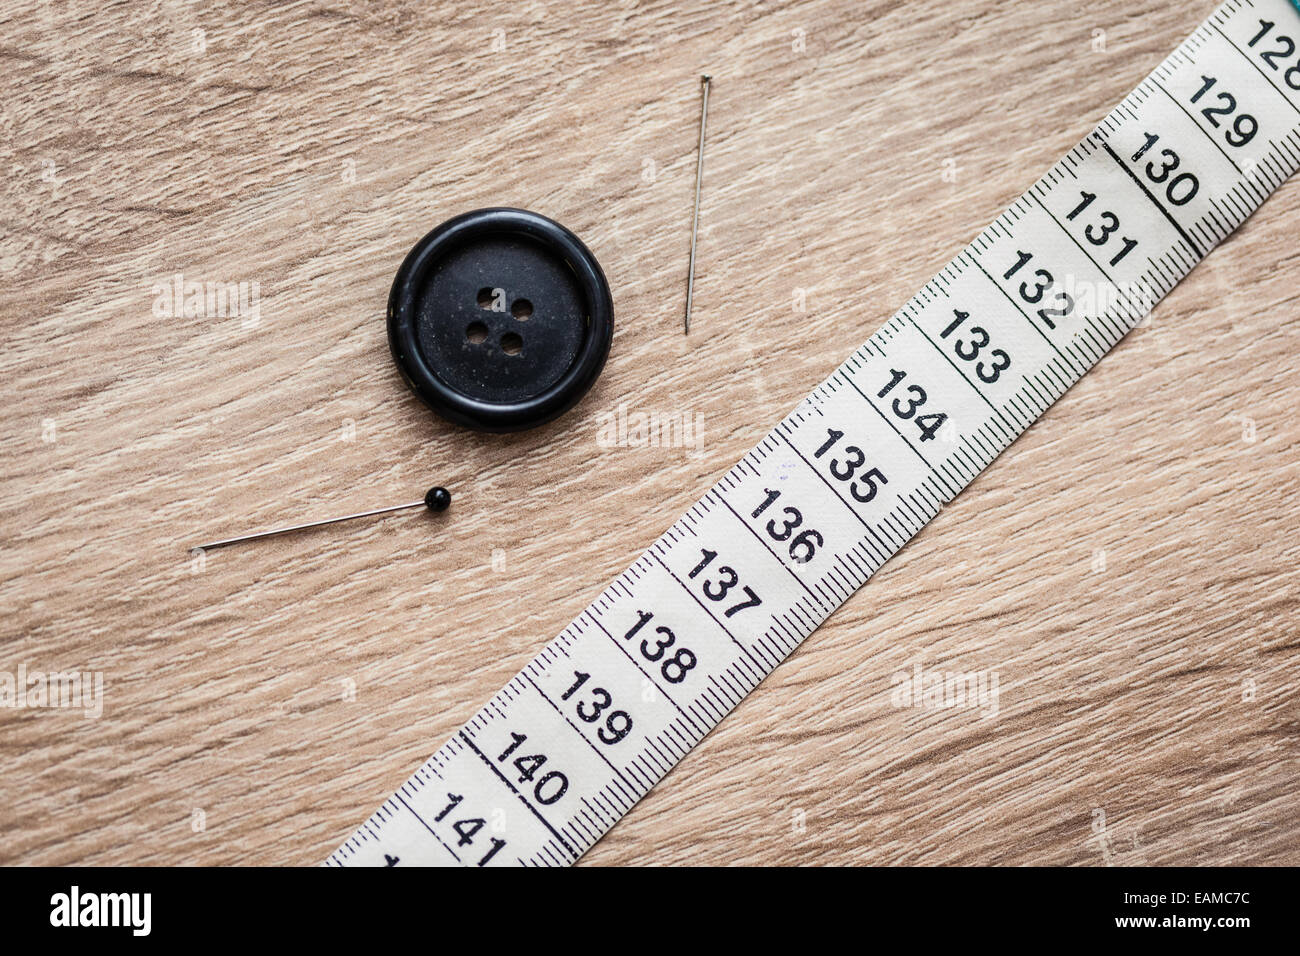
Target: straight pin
[699,178]
[435,499]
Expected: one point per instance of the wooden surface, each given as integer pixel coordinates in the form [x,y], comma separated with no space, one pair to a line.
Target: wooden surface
[1148,695]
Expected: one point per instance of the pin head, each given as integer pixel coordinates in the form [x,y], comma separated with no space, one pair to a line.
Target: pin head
[437,499]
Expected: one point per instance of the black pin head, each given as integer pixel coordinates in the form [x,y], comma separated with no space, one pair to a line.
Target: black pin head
[437,499]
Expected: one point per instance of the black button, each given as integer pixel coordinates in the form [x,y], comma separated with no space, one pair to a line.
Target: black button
[500,319]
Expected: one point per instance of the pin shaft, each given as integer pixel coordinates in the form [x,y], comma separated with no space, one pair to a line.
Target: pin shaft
[705,80]
[303,527]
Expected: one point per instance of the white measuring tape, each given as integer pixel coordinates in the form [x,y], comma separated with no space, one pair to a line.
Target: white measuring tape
[608,707]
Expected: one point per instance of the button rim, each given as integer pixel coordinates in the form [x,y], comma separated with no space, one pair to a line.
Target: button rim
[465,410]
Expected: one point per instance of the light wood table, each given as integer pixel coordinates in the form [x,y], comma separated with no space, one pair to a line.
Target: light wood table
[1129,568]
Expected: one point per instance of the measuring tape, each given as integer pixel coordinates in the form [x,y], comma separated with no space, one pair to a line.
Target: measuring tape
[611,705]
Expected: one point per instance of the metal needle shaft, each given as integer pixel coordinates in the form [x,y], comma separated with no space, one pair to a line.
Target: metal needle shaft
[699,178]
[303,527]
[435,499]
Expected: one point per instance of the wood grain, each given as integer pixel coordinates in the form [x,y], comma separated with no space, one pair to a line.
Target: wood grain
[305,147]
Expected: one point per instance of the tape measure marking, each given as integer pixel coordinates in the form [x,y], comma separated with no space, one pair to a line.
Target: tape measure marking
[868,459]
